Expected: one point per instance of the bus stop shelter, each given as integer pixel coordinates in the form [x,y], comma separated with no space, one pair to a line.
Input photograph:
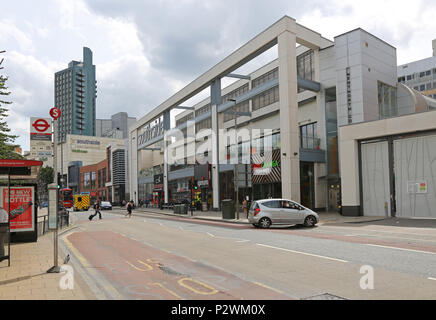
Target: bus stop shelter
[18,199]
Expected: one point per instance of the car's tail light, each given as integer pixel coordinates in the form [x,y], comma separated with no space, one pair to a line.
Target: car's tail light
[256,211]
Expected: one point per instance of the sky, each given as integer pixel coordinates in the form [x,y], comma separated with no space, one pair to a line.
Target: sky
[147,50]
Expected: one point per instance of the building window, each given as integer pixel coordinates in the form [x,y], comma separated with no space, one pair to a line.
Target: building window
[428,86]
[204,124]
[387,100]
[309,136]
[422,87]
[349,110]
[266,98]
[93,180]
[271,75]
[202,110]
[86,180]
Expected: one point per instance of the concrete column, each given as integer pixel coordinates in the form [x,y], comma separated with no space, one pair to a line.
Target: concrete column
[350,189]
[215,159]
[215,100]
[166,126]
[133,165]
[289,130]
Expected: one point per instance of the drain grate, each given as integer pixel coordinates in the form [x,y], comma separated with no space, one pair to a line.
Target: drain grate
[324,296]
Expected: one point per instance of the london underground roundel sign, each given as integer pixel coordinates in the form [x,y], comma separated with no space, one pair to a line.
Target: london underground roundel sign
[41,125]
[55,113]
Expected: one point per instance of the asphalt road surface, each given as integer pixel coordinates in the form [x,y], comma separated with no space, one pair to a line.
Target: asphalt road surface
[151,256]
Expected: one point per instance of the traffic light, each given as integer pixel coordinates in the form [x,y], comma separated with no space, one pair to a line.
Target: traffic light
[195,185]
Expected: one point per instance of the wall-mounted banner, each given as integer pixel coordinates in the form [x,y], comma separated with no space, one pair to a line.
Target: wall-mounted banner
[21,215]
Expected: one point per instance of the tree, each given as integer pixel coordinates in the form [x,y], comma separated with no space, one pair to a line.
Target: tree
[6,140]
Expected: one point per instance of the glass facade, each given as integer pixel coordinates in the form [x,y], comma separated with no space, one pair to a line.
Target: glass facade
[387,100]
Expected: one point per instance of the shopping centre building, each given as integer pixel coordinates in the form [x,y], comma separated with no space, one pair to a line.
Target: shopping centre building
[287,115]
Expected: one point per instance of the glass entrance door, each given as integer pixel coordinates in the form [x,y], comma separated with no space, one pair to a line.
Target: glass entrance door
[307,186]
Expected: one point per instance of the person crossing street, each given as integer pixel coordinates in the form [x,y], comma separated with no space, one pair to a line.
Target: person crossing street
[97,208]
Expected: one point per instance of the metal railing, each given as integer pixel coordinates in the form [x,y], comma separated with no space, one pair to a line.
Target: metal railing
[63,221]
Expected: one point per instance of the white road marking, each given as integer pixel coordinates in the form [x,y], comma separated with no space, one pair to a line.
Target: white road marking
[404,249]
[430,278]
[305,253]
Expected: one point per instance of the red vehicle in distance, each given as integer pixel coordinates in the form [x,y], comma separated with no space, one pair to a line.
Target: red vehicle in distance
[66,197]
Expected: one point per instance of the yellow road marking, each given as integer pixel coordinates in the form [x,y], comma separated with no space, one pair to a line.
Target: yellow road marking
[152,261]
[170,291]
[183,284]
[149,268]
[265,286]
[87,265]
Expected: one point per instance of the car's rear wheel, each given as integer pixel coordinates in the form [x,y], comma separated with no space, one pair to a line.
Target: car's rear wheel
[264,223]
[310,221]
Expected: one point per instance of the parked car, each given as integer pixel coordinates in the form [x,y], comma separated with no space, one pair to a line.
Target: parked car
[106,205]
[264,213]
[44,205]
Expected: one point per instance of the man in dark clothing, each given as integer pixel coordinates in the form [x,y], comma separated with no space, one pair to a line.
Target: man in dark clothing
[97,210]
[129,209]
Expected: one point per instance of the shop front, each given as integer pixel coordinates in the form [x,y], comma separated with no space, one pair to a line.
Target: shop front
[266,175]
[158,191]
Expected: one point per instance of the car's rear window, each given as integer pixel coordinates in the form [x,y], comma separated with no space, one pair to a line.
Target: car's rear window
[254,206]
[272,204]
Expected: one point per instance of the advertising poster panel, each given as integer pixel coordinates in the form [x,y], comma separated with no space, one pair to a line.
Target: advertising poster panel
[21,215]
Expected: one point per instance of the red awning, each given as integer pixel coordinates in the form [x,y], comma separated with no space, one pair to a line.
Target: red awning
[19,168]
[19,163]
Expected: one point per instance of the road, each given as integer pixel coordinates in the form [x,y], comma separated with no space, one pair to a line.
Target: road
[151,256]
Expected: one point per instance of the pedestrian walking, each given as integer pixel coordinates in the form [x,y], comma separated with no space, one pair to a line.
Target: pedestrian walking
[129,209]
[3,232]
[97,208]
[123,204]
[244,207]
[147,202]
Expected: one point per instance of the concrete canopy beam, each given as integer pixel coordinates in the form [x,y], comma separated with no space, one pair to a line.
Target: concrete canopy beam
[259,44]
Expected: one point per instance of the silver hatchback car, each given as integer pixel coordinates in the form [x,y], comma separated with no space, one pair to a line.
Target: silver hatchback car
[264,213]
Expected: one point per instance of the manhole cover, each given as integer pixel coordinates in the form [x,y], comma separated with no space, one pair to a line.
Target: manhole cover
[324,296]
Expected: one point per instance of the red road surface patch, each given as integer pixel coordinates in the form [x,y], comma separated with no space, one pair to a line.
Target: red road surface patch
[139,271]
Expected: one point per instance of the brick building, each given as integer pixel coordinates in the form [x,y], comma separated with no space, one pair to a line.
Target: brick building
[93,179]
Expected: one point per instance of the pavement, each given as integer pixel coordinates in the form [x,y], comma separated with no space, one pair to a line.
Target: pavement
[27,277]
[324,217]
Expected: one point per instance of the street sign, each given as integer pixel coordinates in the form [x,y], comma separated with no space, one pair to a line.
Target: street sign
[55,113]
[40,128]
[40,125]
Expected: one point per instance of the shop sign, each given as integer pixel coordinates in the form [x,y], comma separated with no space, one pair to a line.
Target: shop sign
[150,132]
[203,183]
[270,164]
[158,182]
[22,217]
